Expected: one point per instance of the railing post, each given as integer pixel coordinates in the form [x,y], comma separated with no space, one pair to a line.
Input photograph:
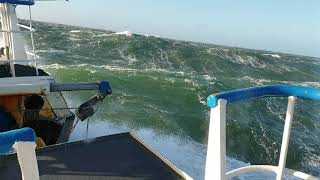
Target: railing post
[286,137]
[27,160]
[216,150]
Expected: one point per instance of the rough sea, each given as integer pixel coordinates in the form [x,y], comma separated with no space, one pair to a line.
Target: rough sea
[160,88]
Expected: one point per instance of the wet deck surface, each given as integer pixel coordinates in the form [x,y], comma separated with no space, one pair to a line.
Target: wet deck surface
[112,157]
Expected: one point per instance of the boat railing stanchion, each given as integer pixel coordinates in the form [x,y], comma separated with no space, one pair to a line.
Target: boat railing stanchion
[216,152]
[27,160]
[216,149]
[286,137]
[32,41]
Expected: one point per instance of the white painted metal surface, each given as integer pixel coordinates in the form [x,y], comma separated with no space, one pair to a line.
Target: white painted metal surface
[216,150]
[25,85]
[286,137]
[14,41]
[267,168]
[27,160]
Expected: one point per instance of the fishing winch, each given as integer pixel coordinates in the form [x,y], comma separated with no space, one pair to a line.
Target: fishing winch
[86,109]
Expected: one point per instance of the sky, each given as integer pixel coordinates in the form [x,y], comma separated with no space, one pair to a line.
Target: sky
[290,26]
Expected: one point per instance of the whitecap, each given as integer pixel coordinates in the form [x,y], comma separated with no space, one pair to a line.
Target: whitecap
[75,31]
[127,33]
[52,66]
[208,78]
[273,55]
[202,100]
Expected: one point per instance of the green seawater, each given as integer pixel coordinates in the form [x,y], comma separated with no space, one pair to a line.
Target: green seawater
[160,88]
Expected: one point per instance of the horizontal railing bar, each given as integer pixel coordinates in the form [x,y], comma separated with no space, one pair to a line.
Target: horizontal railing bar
[265,91]
[26,27]
[13,31]
[268,168]
[251,169]
[24,2]
[9,60]
[57,87]
[33,54]
[103,87]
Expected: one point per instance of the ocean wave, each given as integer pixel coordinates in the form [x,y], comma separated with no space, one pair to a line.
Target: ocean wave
[52,66]
[242,58]
[273,55]
[192,82]
[202,100]
[50,51]
[73,38]
[158,109]
[126,33]
[114,68]
[312,162]
[186,65]
[260,82]
[209,78]
[75,31]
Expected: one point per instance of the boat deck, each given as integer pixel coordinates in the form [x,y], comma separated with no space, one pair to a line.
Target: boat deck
[120,156]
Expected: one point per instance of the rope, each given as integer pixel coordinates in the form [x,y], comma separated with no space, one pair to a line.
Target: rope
[74,126]
[76,123]
[87,132]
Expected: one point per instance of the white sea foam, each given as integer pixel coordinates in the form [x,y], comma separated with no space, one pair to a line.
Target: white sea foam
[158,109]
[270,81]
[91,70]
[126,33]
[192,82]
[73,38]
[245,59]
[102,35]
[273,55]
[256,81]
[209,78]
[132,59]
[112,68]
[50,51]
[52,66]
[171,80]
[202,100]
[75,31]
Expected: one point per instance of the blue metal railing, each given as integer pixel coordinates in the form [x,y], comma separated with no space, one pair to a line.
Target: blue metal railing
[265,91]
[18,2]
[7,139]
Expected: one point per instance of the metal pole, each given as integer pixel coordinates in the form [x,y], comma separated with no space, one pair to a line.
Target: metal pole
[216,150]
[27,160]
[286,137]
[32,41]
[57,87]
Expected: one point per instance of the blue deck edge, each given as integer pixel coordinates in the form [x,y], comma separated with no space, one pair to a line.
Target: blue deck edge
[18,2]
[264,91]
[7,139]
